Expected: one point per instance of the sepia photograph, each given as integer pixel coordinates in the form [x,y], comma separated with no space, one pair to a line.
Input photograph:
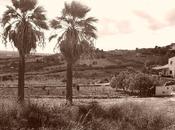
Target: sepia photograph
[87,64]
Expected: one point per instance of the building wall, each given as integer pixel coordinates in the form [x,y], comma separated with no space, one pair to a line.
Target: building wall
[162,91]
[171,63]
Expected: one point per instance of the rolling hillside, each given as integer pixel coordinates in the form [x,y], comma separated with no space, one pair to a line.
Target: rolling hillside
[103,65]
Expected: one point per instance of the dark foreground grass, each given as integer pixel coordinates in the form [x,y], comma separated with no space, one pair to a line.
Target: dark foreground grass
[124,116]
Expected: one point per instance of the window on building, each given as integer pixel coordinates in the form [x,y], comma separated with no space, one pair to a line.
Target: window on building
[171,62]
[171,72]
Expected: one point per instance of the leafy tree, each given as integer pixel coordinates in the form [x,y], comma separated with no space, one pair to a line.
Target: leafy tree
[113,82]
[143,83]
[131,81]
[76,37]
[121,80]
[23,24]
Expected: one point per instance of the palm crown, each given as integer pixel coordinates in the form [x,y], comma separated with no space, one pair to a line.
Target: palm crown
[76,32]
[23,23]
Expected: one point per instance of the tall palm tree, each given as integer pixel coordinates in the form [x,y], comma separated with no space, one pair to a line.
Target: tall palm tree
[75,37]
[23,24]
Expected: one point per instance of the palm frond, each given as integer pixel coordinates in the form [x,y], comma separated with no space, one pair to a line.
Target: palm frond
[86,25]
[16,3]
[63,19]
[75,9]
[39,10]
[79,10]
[8,15]
[39,18]
[55,24]
[12,37]
[91,19]
[90,33]
[6,31]
[40,37]
[59,40]
[5,19]
[41,24]
[66,10]
[53,36]
[26,5]
[38,14]
[90,27]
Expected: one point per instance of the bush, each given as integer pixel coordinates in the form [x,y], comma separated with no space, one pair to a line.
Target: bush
[124,80]
[7,118]
[135,81]
[120,80]
[35,116]
[143,83]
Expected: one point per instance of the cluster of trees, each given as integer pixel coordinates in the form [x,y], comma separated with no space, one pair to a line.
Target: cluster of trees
[24,23]
[162,54]
[135,82]
[157,50]
[99,53]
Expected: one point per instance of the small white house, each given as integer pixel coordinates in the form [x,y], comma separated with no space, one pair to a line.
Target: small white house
[168,69]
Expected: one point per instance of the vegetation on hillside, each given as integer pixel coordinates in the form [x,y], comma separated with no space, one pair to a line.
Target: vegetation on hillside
[162,54]
[137,82]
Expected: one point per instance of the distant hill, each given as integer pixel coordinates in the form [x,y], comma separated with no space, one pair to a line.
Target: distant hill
[101,64]
[8,54]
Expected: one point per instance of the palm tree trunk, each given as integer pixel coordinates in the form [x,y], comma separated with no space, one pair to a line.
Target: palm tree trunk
[21,72]
[69,84]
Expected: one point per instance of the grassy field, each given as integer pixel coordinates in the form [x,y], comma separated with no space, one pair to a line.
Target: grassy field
[45,96]
[167,103]
[53,90]
[87,114]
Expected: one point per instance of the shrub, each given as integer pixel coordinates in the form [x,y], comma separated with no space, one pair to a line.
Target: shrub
[124,80]
[143,83]
[7,118]
[34,116]
[93,109]
[121,80]
[92,116]
[135,81]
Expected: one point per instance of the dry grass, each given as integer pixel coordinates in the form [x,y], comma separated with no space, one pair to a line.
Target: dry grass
[45,89]
[89,116]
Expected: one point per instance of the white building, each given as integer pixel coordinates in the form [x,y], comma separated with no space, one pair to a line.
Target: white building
[168,69]
[163,90]
[171,64]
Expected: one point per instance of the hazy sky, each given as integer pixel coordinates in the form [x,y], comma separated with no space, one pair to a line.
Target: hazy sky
[123,24]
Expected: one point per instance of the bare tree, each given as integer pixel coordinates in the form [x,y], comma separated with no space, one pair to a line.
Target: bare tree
[75,37]
[23,24]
